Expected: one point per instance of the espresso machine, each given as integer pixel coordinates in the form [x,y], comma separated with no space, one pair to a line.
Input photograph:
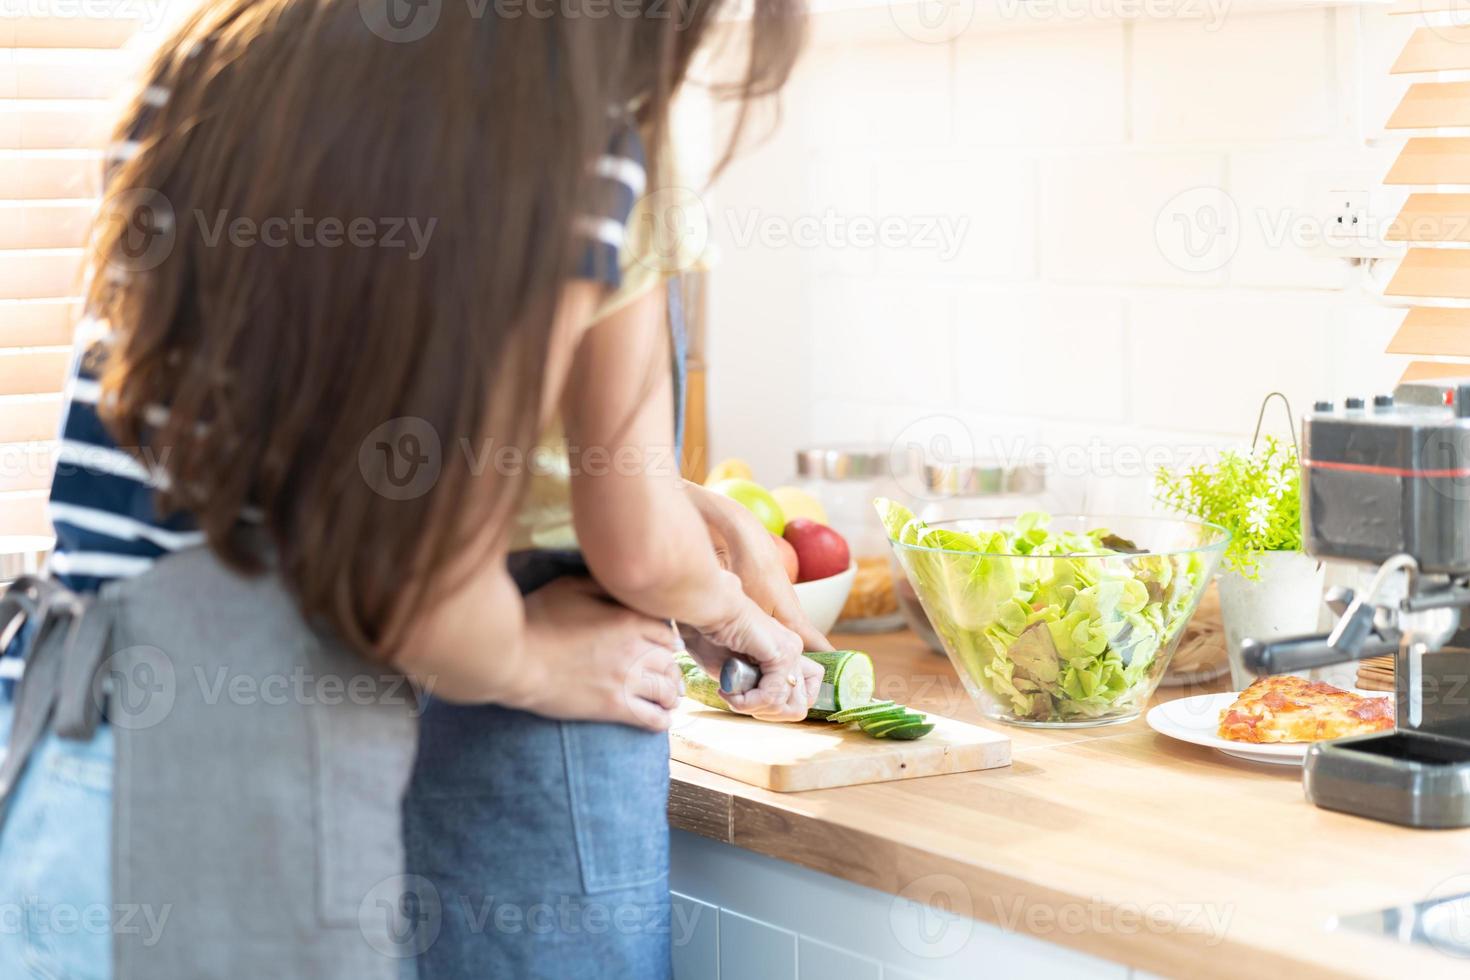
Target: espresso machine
[1387,483]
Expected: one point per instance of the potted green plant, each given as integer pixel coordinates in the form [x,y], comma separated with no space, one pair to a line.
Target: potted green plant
[1269,587]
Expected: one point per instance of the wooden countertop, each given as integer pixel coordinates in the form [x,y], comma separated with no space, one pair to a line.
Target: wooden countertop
[1115,841]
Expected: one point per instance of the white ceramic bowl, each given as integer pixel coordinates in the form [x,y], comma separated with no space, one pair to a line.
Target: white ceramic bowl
[822,599]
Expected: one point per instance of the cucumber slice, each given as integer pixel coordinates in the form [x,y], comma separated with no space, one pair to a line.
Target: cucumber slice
[908,733]
[882,726]
[855,714]
[892,714]
[881,731]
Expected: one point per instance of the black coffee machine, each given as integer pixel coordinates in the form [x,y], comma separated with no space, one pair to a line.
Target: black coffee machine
[1387,483]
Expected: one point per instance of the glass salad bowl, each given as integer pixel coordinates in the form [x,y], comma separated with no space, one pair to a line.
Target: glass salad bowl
[1057,622]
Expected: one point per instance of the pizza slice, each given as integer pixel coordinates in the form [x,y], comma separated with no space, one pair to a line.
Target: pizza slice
[1293,709]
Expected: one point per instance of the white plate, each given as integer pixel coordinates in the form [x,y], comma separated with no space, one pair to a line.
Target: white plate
[1197,719]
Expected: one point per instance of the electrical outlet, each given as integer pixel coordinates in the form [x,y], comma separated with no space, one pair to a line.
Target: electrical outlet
[1347,215]
[1349,222]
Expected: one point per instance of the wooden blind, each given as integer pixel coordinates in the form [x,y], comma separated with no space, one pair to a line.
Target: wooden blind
[1423,6]
[1442,47]
[1435,219]
[1431,105]
[60,78]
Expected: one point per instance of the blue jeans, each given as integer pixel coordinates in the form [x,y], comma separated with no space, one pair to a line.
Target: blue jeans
[56,916]
[546,843]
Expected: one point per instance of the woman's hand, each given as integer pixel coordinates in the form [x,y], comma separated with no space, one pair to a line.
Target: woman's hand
[745,547]
[789,682]
[590,659]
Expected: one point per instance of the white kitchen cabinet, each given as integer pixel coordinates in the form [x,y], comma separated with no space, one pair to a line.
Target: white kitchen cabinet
[741,915]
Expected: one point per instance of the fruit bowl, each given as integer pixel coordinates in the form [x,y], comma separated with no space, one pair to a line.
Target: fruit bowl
[1057,622]
[822,599]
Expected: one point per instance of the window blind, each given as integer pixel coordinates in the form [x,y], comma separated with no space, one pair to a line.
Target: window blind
[1422,6]
[1430,105]
[60,77]
[1435,219]
[1442,47]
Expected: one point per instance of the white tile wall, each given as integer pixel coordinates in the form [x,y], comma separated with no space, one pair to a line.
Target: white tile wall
[1256,77]
[1023,89]
[1091,298]
[1115,217]
[1006,355]
[966,218]
[877,339]
[863,95]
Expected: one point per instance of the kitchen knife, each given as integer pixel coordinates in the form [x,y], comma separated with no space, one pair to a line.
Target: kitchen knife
[739,675]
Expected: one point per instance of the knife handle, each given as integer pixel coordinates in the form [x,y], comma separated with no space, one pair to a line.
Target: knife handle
[738,675]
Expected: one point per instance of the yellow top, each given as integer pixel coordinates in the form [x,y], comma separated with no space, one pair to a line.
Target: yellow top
[667,233]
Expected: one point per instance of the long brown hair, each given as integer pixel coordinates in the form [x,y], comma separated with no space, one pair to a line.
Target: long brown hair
[253,372]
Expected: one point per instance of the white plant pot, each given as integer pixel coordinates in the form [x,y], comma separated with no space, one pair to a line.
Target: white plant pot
[1286,600]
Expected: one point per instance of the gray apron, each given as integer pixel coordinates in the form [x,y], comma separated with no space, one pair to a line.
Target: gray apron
[260,771]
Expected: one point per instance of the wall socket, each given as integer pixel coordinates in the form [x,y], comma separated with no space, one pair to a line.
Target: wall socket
[1351,221]
[1346,215]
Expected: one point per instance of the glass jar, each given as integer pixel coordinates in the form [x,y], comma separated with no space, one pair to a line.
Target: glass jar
[966,491]
[846,479]
[958,491]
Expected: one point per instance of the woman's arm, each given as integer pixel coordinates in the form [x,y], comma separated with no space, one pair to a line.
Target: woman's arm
[565,652]
[642,537]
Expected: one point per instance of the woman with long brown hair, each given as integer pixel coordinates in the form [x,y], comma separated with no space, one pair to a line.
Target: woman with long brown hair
[295,383]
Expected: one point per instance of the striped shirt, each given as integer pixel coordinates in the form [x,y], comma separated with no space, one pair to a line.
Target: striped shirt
[102,502]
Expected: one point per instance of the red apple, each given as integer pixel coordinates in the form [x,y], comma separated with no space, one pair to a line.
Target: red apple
[788,556]
[820,551]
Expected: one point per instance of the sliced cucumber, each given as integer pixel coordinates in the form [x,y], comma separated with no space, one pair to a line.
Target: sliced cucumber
[854,714]
[899,713]
[881,731]
[880,727]
[909,732]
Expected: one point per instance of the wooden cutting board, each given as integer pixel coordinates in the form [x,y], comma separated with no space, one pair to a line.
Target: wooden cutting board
[818,755]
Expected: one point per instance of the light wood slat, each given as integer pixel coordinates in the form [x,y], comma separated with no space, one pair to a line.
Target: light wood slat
[37,322]
[1432,160]
[64,73]
[29,418]
[27,466]
[40,273]
[33,372]
[45,224]
[1434,370]
[47,124]
[1429,105]
[1435,49]
[1407,7]
[1432,218]
[1432,272]
[67,32]
[41,175]
[24,513]
[1433,331]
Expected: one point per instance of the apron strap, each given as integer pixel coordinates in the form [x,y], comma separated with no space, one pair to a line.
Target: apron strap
[80,699]
[59,614]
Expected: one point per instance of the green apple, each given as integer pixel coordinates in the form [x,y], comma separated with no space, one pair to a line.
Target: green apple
[756,499]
